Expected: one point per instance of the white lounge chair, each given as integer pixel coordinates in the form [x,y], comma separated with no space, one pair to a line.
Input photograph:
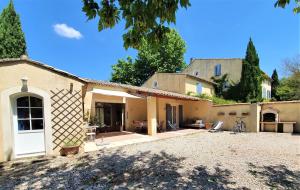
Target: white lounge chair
[217,126]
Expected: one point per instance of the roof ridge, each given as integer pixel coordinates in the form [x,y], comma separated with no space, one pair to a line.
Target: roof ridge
[190,75]
[38,63]
[143,89]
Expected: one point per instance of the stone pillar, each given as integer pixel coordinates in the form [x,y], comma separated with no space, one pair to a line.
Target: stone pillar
[151,115]
[254,118]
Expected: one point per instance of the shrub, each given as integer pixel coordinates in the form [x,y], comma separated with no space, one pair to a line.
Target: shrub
[71,142]
[215,100]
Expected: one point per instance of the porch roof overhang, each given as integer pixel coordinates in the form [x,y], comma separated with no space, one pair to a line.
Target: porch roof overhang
[145,92]
[113,93]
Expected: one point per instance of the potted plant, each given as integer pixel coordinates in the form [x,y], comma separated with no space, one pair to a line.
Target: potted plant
[70,147]
[86,118]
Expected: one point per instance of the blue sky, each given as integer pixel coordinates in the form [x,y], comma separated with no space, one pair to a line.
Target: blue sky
[211,29]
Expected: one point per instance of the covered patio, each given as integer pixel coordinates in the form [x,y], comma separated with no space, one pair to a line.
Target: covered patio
[118,107]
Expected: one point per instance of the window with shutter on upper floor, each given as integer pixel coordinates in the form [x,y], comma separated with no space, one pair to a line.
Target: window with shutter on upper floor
[218,70]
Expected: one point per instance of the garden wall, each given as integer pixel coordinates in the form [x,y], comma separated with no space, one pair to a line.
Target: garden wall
[288,111]
[230,113]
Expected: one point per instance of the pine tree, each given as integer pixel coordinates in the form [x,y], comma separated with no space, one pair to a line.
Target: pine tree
[12,40]
[251,79]
[274,85]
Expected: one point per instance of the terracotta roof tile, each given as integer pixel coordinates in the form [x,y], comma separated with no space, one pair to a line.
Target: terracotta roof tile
[154,92]
[191,76]
[151,91]
[39,64]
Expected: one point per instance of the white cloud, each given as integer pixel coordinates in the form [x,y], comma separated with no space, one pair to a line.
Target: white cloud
[67,31]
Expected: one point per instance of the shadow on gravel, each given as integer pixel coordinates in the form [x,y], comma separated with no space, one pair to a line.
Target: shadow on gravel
[106,170]
[279,176]
[219,179]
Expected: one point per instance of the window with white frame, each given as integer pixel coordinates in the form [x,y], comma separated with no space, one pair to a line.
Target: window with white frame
[30,113]
[264,92]
[218,70]
[268,94]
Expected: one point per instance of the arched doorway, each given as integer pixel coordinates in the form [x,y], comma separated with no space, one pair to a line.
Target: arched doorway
[28,125]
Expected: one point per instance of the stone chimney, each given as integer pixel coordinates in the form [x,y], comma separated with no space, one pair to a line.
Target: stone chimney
[24,57]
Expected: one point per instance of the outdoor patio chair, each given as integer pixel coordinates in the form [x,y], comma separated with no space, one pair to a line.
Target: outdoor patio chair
[160,126]
[218,126]
[172,126]
[90,133]
[140,126]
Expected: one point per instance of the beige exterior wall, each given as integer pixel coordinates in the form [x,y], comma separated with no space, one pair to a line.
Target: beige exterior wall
[161,109]
[38,78]
[197,110]
[222,113]
[254,123]
[288,111]
[191,109]
[191,87]
[136,110]
[168,82]
[2,156]
[206,68]
[178,83]
[11,75]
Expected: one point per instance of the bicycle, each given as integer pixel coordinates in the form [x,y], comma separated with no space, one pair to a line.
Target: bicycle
[240,126]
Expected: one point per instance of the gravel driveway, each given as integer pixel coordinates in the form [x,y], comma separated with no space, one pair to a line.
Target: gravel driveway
[199,161]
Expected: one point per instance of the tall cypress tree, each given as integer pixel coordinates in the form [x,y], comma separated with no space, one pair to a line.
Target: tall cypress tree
[12,40]
[251,79]
[274,85]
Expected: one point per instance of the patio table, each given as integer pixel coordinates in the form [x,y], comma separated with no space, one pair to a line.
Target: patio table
[91,132]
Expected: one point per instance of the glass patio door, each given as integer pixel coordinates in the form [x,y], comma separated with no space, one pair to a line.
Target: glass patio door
[171,114]
[103,115]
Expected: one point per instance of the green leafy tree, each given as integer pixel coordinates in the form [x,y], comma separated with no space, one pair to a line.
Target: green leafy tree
[274,85]
[284,3]
[251,79]
[124,71]
[167,57]
[220,84]
[143,19]
[12,40]
[289,87]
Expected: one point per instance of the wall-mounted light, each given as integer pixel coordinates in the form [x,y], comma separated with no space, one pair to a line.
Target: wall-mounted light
[24,84]
[71,88]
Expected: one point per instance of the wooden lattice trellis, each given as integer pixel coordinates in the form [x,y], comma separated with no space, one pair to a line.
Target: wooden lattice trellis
[66,117]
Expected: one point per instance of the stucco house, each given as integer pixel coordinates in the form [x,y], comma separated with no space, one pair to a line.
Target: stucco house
[182,83]
[41,107]
[207,68]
